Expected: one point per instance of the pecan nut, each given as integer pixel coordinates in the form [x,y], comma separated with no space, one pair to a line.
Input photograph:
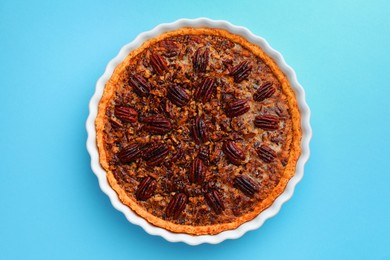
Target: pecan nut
[176,205]
[178,95]
[158,63]
[213,199]
[266,154]
[233,153]
[197,171]
[146,188]
[140,85]
[115,123]
[171,48]
[129,153]
[199,131]
[205,90]
[263,92]
[245,184]
[157,125]
[126,114]
[236,108]
[267,122]
[241,71]
[155,154]
[200,60]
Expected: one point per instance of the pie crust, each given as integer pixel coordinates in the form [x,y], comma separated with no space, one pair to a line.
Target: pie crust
[290,149]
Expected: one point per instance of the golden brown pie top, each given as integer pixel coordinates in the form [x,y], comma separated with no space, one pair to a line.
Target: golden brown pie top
[198,131]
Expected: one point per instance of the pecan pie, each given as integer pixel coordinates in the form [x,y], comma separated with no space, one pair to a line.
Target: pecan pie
[198,131]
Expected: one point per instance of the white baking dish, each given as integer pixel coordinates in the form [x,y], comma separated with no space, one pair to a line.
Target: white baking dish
[101,174]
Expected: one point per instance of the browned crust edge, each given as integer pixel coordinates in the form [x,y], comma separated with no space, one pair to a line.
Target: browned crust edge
[217,228]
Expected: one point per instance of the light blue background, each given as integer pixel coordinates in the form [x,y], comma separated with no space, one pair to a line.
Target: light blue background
[51,55]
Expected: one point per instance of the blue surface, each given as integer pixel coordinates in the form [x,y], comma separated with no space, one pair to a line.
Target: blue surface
[51,55]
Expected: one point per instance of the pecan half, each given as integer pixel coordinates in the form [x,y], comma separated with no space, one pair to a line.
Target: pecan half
[233,153]
[171,48]
[241,71]
[115,123]
[213,199]
[126,114]
[266,154]
[146,188]
[158,63]
[248,186]
[155,154]
[140,85]
[205,90]
[200,60]
[199,131]
[157,125]
[267,122]
[178,95]
[236,108]
[263,92]
[176,205]
[129,153]
[197,171]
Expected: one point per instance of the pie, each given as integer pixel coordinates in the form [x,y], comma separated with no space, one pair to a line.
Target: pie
[198,131]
